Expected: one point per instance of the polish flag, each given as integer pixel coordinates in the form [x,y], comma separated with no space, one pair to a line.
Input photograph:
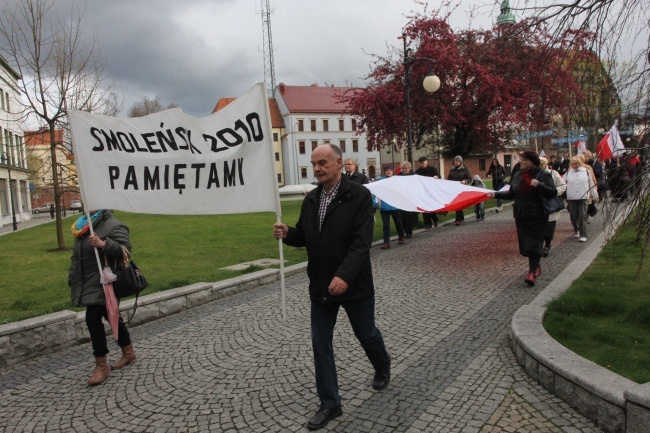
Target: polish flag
[426,194]
[611,145]
[581,146]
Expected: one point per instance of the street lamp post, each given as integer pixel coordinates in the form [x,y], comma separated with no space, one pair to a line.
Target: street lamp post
[431,84]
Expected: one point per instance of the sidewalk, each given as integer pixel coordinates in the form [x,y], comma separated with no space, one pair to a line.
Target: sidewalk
[37,220]
[444,304]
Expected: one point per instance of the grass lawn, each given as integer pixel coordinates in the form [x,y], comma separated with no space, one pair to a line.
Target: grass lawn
[605,315]
[172,251]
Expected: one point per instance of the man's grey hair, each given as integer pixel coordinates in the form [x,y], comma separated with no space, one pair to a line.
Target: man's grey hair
[336,151]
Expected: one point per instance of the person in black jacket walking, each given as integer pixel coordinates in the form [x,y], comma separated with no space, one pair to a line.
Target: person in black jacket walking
[336,225]
[498,175]
[428,171]
[527,187]
[459,173]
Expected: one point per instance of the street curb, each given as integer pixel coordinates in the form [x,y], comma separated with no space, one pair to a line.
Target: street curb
[52,332]
[615,403]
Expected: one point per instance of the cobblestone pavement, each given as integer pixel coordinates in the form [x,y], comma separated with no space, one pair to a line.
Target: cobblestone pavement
[444,304]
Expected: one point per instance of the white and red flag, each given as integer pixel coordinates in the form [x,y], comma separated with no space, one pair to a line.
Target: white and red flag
[581,146]
[426,194]
[611,145]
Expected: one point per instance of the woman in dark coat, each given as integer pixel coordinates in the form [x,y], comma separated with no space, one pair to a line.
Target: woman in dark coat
[459,173]
[527,187]
[86,289]
[498,175]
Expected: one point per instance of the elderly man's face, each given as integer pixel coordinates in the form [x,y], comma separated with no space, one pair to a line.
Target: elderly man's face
[327,168]
[349,167]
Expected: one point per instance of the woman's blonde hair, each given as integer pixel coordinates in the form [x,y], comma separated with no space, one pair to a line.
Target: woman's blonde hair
[577,160]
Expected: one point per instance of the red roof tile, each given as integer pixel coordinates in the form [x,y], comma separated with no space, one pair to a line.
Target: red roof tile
[277,121]
[42,136]
[313,99]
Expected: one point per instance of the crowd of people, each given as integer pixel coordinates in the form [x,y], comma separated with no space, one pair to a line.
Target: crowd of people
[579,182]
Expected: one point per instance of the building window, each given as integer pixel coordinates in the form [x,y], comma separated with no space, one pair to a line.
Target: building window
[355,145]
[301,125]
[326,125]
[275,136]
[314,144]
[7,96]
[4,199]
[23,194]
[342,144]
[481,164]
[341,125]
[303,172]
[2,98]
[312,124]
[354,124]
[279,177]
[277,156]
[301,147]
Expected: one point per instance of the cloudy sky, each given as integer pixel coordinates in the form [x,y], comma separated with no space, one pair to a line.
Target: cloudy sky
[193,52]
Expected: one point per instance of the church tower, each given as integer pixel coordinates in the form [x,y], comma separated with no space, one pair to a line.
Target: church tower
[506,17]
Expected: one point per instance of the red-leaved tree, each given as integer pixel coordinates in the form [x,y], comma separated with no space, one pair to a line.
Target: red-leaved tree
[495,83]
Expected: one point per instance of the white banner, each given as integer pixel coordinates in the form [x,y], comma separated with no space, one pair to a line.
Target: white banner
[173,163]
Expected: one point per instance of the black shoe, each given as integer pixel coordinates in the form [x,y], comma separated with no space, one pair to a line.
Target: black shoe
[545,251]
[323,416]
[435,223]
[381,379]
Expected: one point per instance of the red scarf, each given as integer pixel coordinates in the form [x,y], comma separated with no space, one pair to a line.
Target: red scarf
[525,188]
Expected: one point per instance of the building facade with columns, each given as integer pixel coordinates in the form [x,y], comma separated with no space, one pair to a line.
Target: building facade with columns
[15,202]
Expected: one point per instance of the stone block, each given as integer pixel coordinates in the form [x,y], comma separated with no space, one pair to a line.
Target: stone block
[586,402]
[199,298]
[531,367]
[638,418]
[546,377]
[5,350]
[519,353]
[564,389]
[611,418]
[146,313]
[172,306]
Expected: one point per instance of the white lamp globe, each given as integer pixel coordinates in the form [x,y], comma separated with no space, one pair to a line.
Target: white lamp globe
[431,83]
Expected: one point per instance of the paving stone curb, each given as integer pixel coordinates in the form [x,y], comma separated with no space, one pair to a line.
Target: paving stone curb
[617,404]
[52,332]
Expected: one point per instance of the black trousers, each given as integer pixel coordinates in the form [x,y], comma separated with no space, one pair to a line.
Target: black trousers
[429,218]
[94,315]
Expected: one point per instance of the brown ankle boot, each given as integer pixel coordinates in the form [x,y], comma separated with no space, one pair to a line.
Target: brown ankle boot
[101,371]
[128,356]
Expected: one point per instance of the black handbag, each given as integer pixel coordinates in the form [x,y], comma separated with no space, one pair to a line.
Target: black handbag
[592,210]
[130,279]
[551,205]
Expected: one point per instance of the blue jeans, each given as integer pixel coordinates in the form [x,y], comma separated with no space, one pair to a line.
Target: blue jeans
[361,314]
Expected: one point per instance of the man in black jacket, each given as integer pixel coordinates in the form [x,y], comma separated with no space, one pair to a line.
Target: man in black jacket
[336,225]
[352,172]
[429,171]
